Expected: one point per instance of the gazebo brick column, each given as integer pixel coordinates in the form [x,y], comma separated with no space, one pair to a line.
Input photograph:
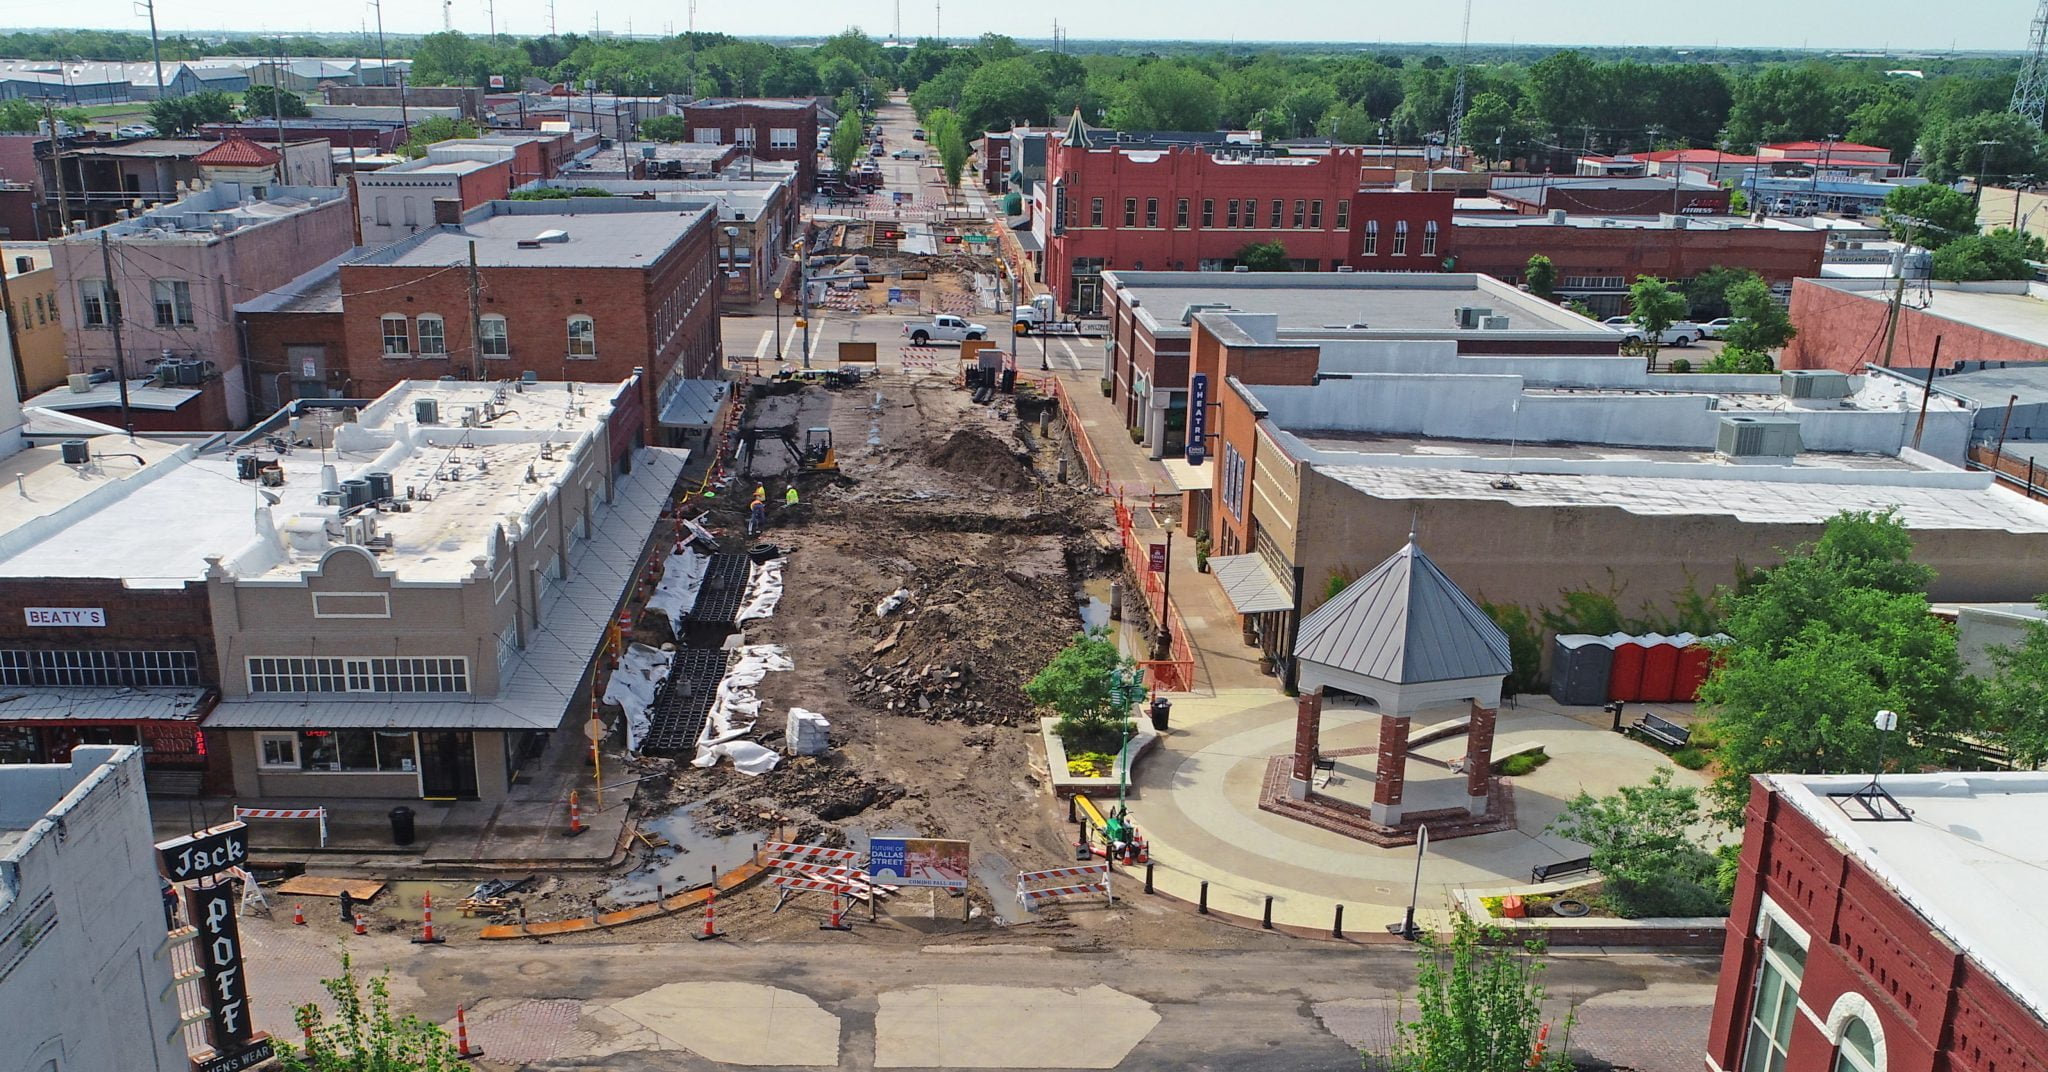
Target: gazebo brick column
[1479,758]
[1391,773]
[1308,729]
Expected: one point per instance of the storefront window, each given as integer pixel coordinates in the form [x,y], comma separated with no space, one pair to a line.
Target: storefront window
[327,751]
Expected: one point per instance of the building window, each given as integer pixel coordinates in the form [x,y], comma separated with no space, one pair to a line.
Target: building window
[1151,212]
[100,303]
[1094,212]
[410,211]
[1776,1000]
[1213,264]
[1300,214]
[1232,213]
[1857,1051]
[743,137]
[41,317]
[782,137]
[1279,213]
[493,337]
[1315,215]
[1130,212]
[1208,212]
[277,751]
[1400,238]
[98,669]
[1343,215]
[1233,481]
[1372,239]
[1180,213]
[382,215]
[172,301]
[327,751]
[706,135]
[397,341]
[433,335]
[582,337]
[381,675]
[1429,239]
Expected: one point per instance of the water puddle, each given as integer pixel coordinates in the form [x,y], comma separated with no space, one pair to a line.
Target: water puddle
[685,861]
[1094,606]
[405,900]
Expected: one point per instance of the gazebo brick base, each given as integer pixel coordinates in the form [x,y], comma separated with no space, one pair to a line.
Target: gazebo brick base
[1354,821]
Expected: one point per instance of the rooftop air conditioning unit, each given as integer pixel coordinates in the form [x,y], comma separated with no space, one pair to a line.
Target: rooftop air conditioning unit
[1814,383]
[1757,437]
[1469,316]
[1493,323]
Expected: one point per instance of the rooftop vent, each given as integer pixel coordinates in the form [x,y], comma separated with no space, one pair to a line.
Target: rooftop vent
[553,235]
[1469,316]
[1493,323]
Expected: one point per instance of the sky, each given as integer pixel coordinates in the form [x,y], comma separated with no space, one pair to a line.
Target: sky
[1822,24]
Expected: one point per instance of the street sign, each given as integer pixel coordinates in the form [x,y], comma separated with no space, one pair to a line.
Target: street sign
[979,239]
[1198,418]
[1157,556]
[594,729]
[206,853]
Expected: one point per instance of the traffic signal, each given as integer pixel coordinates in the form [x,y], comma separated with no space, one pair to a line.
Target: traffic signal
[952,240]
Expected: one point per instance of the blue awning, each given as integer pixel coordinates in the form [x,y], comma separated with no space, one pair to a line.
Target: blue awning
[695,404]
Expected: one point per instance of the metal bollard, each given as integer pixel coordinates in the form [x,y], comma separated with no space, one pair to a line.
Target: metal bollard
[1203,905]
[1148,878]
[1267,921]
[1071,817]
[660,898]
[1337,927]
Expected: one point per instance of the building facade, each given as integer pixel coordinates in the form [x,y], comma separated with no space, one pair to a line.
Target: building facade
[398,201]
[85,981]
[35,326]
[766,128]
[1599,257]
[1678,194]
[1842,324]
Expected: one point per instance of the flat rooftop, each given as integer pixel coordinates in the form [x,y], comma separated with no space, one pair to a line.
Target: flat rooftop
[1665,222]
[2006,310]
[1412,447]
[1970,862]
[1316,303]
[456,485]
[43,484]
[595,232]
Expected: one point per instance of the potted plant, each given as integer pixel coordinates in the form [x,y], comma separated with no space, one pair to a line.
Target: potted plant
[1105,387]
[1201,552]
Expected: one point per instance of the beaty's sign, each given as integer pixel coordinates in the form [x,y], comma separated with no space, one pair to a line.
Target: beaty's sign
[205,854]
[62,617]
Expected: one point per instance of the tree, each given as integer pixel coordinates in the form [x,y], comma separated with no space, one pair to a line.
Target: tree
[1654,306]
[362,1034]
[1892,121]
[1646,846]
[1491,126]
[1761,324]
[183,115]
[1784,103]
[944,134]
[1165,96]
[1706,294]
[428,131]
[1541,275]
[671,128]
[2016,697]
[1997,147]
[1478,1007]
[268,101]
[19,116]
[1930,214]
[1561,88]
[1264,257]
[1079,686]
[846,139]
[2002,254]
[998,94]
[1824,640]
[1734,360]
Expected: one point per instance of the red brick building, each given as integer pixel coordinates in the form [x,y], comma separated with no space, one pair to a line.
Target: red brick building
[1534,195]
[768,129]
[1841,324]
[1598,257]
[1195,208]
[1899,932]
[585,289]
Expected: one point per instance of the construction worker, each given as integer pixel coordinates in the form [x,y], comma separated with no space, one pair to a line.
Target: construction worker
[789,498]
[760,493]
[757,517]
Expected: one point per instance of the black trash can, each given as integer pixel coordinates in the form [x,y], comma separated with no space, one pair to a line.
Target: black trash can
[401,825]
[1162,713]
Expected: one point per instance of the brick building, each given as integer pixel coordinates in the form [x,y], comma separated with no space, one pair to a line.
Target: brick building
[398,201]
[1598,257]
[770,129]
[1841,323]
[1680,194]
[293,344]
[1887,926]
[1195,208]
[588,288]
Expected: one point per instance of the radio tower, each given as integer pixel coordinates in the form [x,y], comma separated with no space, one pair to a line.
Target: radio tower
[1457,135]
[2030,93]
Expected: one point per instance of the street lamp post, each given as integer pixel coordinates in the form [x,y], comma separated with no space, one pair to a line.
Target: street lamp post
[778,323]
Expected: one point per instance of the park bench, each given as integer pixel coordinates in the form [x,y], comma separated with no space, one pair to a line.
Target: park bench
[1663,730]
[1546,872]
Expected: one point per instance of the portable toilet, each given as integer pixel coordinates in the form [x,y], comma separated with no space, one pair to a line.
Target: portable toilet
[1625,678]
[1579,667]
[1695,662]
[1660,668]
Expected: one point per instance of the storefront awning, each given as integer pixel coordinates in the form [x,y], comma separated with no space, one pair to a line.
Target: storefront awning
[102,705]
[695,404]
[1251,585]
[1187,477]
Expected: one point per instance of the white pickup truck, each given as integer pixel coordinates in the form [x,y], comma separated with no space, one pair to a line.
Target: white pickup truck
[944,328]
[1681,333]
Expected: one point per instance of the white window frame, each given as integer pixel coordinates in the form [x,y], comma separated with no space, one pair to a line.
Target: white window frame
[439,334]
[359,674]
[171,301]
[1233,481]
[782,137]
[1773,967]
[494,336]
[743,137]
[583,348]
[263,742]
[1400,239]
[1429,239]
[98,304]
[1851,1008]
[1372,239]
[707,136]
[403,339]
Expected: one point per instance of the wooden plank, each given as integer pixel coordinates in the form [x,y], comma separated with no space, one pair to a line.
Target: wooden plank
[362,889]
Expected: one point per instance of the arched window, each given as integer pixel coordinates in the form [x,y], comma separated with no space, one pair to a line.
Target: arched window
[492,337]
[1857,1033]
[433,335]
[1429,239]
[1858,1050]
[582,337]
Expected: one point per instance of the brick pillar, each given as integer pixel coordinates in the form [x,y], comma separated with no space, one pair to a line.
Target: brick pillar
[1308,733]
[1391,772]
[1479,758]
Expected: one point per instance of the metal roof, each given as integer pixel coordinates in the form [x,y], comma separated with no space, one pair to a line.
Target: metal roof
[1405,623]
[695,403]
[102,705]
[1250,584]
[540,681]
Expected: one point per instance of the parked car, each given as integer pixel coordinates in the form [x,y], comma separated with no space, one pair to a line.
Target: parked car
[875,150]
[918,134]
[944,328]
[907,154]
[1712,329]
[1683,333]
[137,130]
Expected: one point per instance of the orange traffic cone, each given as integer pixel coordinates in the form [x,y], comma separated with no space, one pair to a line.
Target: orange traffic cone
[360,929]
[711,915]
[575,815]
[462,1047]
[426,935]
[838,920]
[298,915]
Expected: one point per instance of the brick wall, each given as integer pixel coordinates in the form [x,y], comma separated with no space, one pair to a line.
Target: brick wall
[1664,252]
[270,337]
[1844,330]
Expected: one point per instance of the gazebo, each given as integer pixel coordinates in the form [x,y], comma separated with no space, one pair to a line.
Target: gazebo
[1403,638]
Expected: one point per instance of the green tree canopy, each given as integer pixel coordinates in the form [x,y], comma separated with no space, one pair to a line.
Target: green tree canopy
[1647,843]
[1079,686]
[1993,147]
[1005,92]
[1930,214]
[265,102]
[1264,257]
[2002,254]
[1541,275]
[183,115]
[1478,1007]
[20,116]
[1654,306]
[846,142]
[428,131]
[2016,697]
[1761,324]
[1706,294]
[1165,96]
[669,128]
[362,1033]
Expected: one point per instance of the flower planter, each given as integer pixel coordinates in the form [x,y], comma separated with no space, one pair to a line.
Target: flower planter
[1143,737]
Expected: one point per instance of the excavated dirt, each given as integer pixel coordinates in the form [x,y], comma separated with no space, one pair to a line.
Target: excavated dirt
[980,456]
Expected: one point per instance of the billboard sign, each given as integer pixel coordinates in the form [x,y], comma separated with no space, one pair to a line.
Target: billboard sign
[1198,418]
[918,862]
[205,854]
[211,910]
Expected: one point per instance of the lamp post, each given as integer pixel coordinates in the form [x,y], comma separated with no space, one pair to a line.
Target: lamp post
[778,323]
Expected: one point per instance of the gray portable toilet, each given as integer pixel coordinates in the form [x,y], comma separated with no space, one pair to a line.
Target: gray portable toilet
[1580,664]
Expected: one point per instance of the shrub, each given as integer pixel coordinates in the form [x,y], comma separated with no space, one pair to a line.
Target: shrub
[1680,364]
[1522,763]
[1644,846]
[1091,764]
[1706,737]
[1690,758]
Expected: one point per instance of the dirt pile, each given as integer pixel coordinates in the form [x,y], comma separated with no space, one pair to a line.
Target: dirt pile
[976,454]
[800,791]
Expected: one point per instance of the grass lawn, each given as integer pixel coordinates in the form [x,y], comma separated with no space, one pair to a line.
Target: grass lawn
[110,111]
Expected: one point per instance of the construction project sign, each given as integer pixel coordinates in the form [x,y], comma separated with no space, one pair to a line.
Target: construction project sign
[918,862]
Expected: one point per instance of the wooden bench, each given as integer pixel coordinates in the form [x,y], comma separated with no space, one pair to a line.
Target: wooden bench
[1547,872]
[1662,730]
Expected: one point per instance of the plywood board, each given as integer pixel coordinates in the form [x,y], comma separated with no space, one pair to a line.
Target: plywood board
[362,889]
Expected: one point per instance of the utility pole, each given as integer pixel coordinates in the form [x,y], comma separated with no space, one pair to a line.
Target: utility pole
[156,52]
[1891,319]
[277,110]
[491,9]
[476,320]
[111,298]
[57,167]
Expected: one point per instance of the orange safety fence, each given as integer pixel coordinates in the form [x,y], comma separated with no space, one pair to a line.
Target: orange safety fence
[1177,672]
[1096,474]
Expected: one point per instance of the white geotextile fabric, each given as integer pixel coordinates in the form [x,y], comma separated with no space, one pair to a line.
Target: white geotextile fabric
[682,577]
[736,706]
[633,685]
[764,590]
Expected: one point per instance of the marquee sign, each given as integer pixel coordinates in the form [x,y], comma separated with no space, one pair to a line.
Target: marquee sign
[1198,418]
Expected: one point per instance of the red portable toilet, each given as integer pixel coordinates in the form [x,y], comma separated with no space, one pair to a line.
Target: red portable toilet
[1695,662]
[1625,680]
[1660,668]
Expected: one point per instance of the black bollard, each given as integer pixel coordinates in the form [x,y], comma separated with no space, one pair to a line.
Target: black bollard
[1267,921]
[348,907]
[1071,817]
[1337,927]
[1203,907]
[1148,878]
